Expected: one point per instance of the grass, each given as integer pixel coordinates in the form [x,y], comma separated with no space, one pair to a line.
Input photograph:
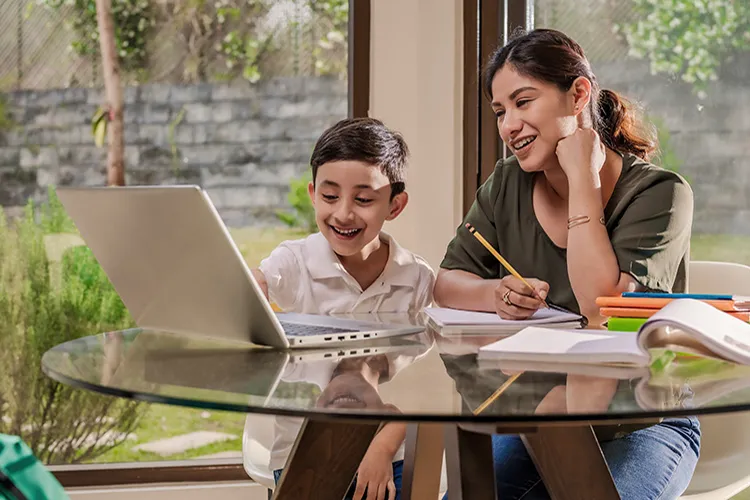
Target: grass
[726,248]
[164,421]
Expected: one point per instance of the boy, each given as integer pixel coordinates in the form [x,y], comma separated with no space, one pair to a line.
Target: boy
[351,266]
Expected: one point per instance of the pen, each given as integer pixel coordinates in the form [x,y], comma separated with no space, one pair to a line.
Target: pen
[504,262]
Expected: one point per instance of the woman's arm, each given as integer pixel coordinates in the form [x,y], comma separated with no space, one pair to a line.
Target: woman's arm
[459,289]
[593,269]
[592,265]
[463,290]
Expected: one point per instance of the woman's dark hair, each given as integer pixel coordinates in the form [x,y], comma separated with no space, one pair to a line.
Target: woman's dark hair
[551,56]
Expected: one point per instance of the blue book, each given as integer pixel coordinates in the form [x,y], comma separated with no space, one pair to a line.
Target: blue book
[697,296]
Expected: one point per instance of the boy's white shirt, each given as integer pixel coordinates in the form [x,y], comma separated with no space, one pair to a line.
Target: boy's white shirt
[306,276]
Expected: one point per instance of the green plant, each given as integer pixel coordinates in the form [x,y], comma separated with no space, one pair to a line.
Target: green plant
[7,122]
[667,155]
[222,34]
[688,38]
[61,424]
[330,49]
[132,20]
[302,214]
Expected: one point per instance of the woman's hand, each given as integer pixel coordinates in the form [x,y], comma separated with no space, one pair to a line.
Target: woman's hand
[515,300]
[581,155]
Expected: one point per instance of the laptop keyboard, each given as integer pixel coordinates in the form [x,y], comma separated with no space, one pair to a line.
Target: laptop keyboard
[301,330]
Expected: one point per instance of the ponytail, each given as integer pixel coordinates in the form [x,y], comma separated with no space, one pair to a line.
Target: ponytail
[621,127]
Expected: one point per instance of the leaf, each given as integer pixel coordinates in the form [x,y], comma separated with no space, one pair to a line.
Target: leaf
[99,126]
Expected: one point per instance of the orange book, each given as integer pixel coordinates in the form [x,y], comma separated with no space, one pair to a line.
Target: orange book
[642,312]
[658,303]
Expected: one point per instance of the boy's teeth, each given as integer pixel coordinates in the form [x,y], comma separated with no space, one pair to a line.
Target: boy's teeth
[347,232]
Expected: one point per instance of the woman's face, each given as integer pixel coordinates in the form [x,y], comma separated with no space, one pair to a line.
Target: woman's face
[532,116]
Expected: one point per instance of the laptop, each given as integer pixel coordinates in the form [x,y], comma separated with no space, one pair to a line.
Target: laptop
[176,268]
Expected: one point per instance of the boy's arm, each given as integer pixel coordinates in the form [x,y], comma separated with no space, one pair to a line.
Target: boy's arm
[375,473]
[261,279]
[279,277]
[389,439]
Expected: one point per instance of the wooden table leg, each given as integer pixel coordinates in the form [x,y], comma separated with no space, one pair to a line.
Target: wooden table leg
[471,475]
[423,461]
[571,463]
[324,460]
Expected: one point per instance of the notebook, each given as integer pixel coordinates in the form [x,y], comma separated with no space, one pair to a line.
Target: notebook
[454,321]
[683,325]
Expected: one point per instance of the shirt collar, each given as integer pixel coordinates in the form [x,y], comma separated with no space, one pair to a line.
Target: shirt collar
[323,263]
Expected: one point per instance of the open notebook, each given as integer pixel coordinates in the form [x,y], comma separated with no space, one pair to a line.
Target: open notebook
[683,325]
[451,321]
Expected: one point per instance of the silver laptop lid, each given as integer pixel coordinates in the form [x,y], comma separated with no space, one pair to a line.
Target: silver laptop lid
[172,261]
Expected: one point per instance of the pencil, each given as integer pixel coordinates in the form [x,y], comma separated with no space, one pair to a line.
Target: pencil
[496,394]
[504,262]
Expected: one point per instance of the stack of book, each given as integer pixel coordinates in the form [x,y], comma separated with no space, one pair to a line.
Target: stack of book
[628,312]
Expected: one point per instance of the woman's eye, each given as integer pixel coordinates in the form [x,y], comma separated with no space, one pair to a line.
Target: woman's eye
[499,113]
[522,102]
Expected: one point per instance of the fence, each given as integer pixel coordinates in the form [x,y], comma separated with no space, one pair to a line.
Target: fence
[186,41]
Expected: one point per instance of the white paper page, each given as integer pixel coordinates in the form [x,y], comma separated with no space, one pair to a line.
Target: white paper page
[571,346]
[444,317]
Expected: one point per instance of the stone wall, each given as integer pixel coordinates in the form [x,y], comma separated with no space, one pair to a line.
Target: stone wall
[242,143]
[710,137]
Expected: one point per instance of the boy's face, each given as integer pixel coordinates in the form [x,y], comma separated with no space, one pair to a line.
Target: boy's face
[352,200]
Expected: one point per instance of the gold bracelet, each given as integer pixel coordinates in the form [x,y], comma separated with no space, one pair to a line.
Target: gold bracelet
[577,220]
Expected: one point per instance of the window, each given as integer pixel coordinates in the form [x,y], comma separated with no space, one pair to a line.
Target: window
[230,95]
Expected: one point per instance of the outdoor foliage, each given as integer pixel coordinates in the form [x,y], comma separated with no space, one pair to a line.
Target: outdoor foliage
[302,214]
[689,39]
[60,424]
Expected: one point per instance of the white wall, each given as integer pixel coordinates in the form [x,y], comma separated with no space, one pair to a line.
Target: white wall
[416,88]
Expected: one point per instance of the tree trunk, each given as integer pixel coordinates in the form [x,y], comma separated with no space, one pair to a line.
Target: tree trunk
[113,89]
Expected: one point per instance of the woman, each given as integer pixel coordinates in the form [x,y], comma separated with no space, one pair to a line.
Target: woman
[580,212]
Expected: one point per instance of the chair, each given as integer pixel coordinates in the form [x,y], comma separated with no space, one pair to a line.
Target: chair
[257,439]
[723,469]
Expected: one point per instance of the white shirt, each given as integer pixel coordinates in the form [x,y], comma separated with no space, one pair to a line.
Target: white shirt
[306,276]
[319,373]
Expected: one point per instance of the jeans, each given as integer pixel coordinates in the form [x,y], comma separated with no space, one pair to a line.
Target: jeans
[398,469]
[649,464]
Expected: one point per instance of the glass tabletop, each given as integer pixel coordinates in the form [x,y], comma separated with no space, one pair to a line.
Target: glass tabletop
[419,377]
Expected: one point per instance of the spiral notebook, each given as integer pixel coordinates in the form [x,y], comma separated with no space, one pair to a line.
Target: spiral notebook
[456,321]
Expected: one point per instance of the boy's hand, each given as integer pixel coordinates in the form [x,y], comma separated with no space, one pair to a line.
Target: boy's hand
[375,475]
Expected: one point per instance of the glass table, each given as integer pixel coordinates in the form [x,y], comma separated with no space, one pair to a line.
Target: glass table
[452,401]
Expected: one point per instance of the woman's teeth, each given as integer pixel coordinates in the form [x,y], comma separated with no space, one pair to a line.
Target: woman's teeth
[523,143]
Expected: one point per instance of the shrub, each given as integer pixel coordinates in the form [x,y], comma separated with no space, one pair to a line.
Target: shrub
[61,424]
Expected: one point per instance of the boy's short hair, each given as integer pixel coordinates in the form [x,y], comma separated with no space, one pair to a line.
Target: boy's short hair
[367,140]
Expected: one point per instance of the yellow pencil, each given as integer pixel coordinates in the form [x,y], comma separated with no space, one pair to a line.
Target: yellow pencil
[496,394]
[504,262]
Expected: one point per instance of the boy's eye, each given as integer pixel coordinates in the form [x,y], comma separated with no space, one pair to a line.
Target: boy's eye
[363,200]
[329,197]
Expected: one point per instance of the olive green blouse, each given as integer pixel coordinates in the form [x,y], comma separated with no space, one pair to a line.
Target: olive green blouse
[648,218]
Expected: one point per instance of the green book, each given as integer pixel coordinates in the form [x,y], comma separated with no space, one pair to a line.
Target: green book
[625,324]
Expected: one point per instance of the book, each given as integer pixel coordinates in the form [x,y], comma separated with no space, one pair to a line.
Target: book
[637,312]
[453,321]
[684,325]
[625,324]
[659,302]
[698,296]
